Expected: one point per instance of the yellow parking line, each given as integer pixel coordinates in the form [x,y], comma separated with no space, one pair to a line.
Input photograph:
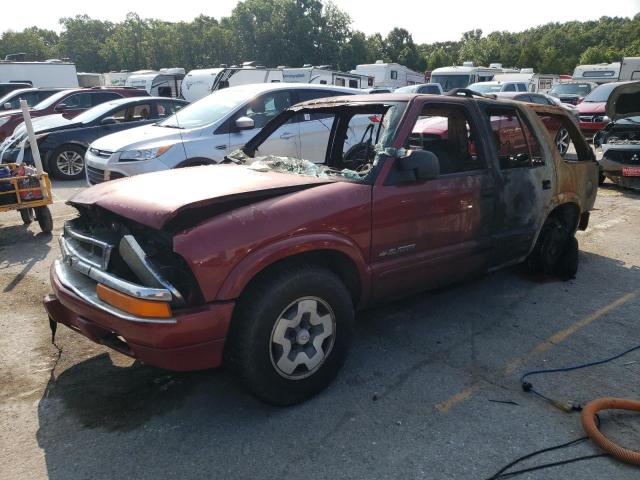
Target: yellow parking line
[543,346]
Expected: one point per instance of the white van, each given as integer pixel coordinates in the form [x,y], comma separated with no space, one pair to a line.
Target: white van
[207,130]
[630,69]
[463,76]
[200,83]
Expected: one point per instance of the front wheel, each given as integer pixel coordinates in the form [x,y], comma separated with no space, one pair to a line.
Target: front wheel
[67,162]
[290,334]
[45,220]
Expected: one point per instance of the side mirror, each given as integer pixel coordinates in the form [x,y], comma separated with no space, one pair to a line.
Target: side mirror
[61,107]
[423,163]
[7,106]
[245,123]
[108,121]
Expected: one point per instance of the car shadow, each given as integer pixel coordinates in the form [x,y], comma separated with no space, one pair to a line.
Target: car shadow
[100,420]
[627,192]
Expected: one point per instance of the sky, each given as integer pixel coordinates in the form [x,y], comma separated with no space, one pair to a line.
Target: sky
[427,21]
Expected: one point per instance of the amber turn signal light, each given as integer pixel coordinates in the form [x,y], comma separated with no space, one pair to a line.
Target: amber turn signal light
[132,305]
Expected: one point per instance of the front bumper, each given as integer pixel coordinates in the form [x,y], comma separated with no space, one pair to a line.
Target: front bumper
[589,129]
[105,166]
[615,159]
[192,340]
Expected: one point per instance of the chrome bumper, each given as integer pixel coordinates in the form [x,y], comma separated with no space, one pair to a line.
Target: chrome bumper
[85,288]
[84,263]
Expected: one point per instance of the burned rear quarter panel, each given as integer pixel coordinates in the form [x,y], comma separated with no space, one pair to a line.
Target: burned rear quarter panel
[228,250]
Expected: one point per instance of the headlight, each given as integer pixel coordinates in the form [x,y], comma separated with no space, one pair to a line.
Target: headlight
[4,120]
[606,119]
[145,153]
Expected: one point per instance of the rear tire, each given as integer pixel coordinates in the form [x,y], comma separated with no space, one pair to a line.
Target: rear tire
[290,334]
[27,215]
[556,251]
[45,220]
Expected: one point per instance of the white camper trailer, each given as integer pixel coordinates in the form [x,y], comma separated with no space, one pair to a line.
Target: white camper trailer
[630,69]
[163,83]
[536,82]
[200,83]
[325,76]
[52,73]
[116,79]
[599,73]
[389,75]
[87,80]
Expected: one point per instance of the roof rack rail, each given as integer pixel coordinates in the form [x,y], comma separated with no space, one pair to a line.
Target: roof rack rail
[465,92]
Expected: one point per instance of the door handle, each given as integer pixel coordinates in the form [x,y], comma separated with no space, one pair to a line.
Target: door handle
[546,184]
[221,147]
[287,136]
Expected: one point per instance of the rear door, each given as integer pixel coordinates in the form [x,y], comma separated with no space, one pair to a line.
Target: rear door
[428,233]
[75,104]
[526,180]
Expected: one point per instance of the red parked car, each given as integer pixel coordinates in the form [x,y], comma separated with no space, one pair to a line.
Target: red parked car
[593,117]
[261,265]
[67,102]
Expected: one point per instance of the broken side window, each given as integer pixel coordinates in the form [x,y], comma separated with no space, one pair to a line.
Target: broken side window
[446,132]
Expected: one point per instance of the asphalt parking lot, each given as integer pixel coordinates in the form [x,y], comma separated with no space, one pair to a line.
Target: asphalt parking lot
[430,390]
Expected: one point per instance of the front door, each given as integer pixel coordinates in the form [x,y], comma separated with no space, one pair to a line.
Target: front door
[428,233]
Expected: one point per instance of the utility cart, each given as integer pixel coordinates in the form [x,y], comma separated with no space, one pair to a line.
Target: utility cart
[29,194]
[24,188]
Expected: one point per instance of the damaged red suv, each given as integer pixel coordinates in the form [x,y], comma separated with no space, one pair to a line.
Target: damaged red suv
[261,264]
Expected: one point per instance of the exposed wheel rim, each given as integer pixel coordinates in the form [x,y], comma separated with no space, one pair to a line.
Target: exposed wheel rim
[302,338]
[563,140]
[70,163]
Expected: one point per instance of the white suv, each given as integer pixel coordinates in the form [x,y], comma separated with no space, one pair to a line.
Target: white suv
[495,87]
[207,130]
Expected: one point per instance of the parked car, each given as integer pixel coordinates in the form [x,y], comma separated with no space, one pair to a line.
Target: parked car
[63,142]
[572,92]
[432,88]
[620,139]
[496,86]
[8,87]
[210,128]
[559,133]
[33,96]
[592,109]
[261,265]
[70,102]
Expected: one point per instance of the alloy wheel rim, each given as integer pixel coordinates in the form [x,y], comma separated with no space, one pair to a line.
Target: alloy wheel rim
[302,338]
[70,163]
[562,141]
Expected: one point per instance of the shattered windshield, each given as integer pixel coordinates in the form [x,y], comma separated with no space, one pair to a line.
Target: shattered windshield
[343,143]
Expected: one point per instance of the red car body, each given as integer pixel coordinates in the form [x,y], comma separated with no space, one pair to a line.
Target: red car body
[228,224]
[86,98]
[592,117]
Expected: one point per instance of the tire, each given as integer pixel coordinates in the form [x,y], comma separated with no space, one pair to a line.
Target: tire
[27,215]
[291,311]
[563,140]
[556,251]
[67,162]
[43,215]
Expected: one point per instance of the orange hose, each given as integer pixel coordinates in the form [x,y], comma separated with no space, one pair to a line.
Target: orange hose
[589,424]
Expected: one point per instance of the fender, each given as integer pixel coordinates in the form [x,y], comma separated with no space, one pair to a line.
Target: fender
[245,270]
[196,161]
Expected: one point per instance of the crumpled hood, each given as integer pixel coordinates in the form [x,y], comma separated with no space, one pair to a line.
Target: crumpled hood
[155,199]
[624,101]
[144,136]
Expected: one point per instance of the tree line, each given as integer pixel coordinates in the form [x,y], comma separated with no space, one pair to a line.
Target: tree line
[297,32]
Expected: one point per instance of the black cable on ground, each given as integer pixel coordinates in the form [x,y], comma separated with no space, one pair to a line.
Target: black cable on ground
[568,406]
[501,473]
